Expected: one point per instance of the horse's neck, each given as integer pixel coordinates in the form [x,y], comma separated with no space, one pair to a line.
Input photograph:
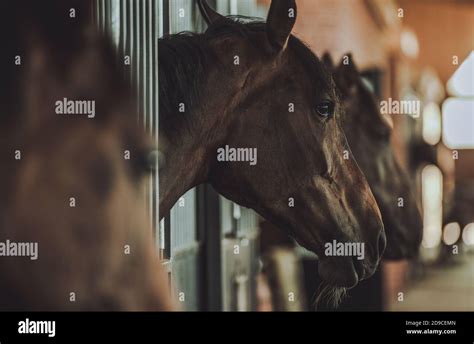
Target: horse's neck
[189,153]
[184,167]
[180,168]
[189,144]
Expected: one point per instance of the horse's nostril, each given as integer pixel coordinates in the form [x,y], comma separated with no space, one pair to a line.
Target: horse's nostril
[382,243]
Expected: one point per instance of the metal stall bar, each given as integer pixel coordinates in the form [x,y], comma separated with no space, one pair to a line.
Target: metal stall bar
[137,59]
[165,227]
[210,235]
[134,28]
[156,22]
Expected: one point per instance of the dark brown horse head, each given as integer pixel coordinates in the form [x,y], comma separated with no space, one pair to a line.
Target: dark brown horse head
[267,101]
[369,133]
[66,183]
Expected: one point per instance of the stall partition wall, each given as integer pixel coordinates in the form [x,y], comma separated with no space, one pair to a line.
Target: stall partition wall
[209,268]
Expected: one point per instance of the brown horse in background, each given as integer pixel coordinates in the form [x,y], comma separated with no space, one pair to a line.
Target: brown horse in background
[254,85]
[368,133]
[65,182]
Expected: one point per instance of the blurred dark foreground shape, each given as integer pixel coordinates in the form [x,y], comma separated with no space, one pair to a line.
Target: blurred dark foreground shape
[65,184]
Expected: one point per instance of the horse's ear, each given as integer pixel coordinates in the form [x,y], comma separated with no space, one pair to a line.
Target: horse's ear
[346,73]
[328,62]
[280,22]
[210,16]
[349,66]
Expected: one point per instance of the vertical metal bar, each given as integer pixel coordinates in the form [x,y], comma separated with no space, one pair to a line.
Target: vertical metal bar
[144,59]
[102,16]
[167,226]
[107,17]
[210,224]
[151,65]
[138,54]
[149,124]
[97,13]
[166,17]
[167,237]
[123,31]
[126,29]
[158,22]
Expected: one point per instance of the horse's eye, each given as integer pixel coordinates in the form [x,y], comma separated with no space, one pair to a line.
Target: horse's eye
[152,159]
[145,162]
[325,109]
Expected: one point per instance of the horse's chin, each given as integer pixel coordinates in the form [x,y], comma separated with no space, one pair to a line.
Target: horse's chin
[338,274]
[329,296]
[341,272]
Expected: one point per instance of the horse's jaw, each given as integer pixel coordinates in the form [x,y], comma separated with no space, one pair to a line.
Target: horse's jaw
[183,167]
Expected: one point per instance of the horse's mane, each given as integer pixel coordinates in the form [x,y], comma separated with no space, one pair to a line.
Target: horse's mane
[183,61]
[185,58]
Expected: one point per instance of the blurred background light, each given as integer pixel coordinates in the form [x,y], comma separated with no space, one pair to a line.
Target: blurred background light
[458,123]
[409,43]
[461,84]
[431,124]
[468,234]
[432,198]
[451,233]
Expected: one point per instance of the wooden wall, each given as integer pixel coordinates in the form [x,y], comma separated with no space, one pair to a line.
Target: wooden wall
[444,28]
[341,26]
